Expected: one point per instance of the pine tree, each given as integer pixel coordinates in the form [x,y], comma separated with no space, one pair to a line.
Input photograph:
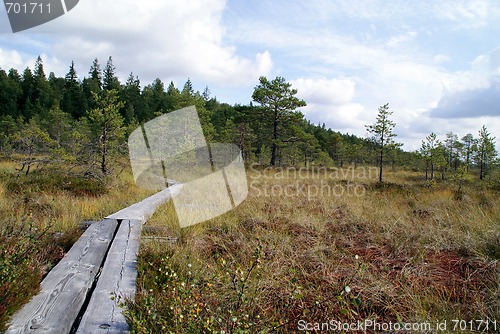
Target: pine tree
[485,151]
[173,97]
[41,97]
[28,94]
[467,144]
[39,72]
[10,91]
[382,131]
[434,154]
[96,75]
[93,84]
[188,88]
[73,100]
[278,100]
[30,142]
[155,99]
[108,126]
[453,148]
[110,81]
[206,94]
[131,95]
[71,76]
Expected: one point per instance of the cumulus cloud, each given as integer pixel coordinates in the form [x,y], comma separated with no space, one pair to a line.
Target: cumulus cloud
[325,91]
[396,40]
[467,14]
[330,101]
[441,58]
[410,56]
[165,39]
[470,103]
[10,59]
[474,93]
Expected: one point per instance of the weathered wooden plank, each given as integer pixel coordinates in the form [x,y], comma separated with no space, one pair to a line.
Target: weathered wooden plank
[116,281]
[145,209]
[86,224]
[65,288]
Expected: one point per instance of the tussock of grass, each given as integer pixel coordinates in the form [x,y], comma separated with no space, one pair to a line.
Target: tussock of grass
[422,255]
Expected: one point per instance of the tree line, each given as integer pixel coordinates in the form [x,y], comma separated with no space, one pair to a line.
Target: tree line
[83,123]
[455,155]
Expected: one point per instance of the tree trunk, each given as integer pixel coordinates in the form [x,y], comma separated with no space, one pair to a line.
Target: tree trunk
[104,152]
[274,147]
[481,170]
[381,163]
[381,152]
[467,160]
[481,164]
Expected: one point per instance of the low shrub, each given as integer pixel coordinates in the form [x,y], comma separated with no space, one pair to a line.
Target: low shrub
[52,181]
[26,255]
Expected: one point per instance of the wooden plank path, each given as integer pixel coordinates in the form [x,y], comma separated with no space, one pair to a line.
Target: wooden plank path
[79,295]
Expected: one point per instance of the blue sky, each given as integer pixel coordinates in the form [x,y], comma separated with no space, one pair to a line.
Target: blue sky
[437,63]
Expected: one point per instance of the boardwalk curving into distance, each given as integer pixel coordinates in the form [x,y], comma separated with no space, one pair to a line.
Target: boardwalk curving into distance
[79,295]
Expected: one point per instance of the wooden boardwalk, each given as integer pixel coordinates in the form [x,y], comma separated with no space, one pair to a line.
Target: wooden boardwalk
[81,293]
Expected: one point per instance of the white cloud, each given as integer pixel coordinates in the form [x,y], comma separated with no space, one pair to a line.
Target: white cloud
[397,40]
[325,91]
[10,59]
[165,39]
[441,58]
[350,57]
[330,101]
[472,93]
[465,12]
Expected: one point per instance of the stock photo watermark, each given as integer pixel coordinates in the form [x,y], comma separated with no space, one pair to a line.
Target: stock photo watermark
[368,325]
[310,183]
[210,179]
[170,151]
[26,14]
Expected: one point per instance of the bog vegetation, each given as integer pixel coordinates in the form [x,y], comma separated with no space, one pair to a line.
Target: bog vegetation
[405,251]
[419,241]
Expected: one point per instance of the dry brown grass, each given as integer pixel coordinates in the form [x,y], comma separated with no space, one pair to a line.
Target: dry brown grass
[422,256]
[60,205]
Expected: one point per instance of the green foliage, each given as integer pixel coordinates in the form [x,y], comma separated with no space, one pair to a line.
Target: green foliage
[131,95]
[73,100]
[10,92]
[433,153]
[54,181]
[279,103]
[31,142]
[108,127]
[109,80]
[383,135]
[485,152]
[272,131]
[19,275]
[25,255]
[467,145]
[179,296]
[58,125]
